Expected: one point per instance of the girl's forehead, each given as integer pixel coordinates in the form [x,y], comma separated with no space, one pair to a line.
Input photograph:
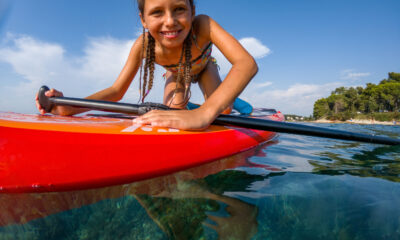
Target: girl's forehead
[165,2]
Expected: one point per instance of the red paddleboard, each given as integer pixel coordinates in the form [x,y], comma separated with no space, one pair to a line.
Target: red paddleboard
[24,207]
[54,153]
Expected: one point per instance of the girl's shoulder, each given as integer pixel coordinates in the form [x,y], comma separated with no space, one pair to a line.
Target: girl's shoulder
[141,43]
[201,24]
[201,27]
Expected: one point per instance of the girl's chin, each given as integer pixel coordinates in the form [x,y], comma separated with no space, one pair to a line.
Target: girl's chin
[171,43]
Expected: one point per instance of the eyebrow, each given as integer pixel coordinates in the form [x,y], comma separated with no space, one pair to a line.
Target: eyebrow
[179,2]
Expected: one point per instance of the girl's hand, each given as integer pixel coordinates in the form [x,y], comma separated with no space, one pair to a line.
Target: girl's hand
[57,110]
[195,119]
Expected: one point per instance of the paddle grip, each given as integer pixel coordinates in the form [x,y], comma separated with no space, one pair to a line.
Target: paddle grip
[44,101]
[148,106]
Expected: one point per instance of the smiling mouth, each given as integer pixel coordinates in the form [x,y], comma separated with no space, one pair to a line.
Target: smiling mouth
[170,34]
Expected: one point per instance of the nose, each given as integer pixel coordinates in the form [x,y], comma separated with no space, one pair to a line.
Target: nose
[169,19]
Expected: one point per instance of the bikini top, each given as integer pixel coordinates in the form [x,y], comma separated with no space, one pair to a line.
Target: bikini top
[198,64]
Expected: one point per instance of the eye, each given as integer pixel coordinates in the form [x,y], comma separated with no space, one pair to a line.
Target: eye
[180,9]
[156,12]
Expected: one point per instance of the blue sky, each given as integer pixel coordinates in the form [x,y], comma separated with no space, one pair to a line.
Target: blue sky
[304,49]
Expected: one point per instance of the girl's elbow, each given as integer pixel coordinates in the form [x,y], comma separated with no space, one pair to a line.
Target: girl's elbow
[119,97]
[253,67]
[116,94]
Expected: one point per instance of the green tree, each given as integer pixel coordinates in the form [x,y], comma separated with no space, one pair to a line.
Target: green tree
[339,91]
[351,98]
[344,103]
[321,108]
[370,98]
[390,95]
[394,76]
[336,103]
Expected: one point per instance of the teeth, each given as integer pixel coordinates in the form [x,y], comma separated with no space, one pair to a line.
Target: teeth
[171,33]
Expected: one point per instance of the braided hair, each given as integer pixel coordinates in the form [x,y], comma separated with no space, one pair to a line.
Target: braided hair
[147,71]
[146,83]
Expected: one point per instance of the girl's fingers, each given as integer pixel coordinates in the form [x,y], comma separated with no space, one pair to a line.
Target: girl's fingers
[41,111]
[51,93]
[180,119]
[152,115]
[38,106]
[165,123]
[157,118]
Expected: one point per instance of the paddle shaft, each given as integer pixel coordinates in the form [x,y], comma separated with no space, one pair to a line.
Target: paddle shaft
[246,122]
[284,127]
[137,109]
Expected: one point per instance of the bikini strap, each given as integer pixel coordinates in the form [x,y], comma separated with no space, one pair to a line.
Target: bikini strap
[195,41]
[196,59]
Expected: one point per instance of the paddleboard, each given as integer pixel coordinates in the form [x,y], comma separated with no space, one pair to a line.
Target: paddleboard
[44,153]
[24,207]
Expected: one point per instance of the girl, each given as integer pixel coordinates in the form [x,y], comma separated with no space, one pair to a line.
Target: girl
[175,38]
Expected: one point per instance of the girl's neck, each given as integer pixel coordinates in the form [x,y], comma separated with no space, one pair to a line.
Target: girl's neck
[168,51]
[166,56]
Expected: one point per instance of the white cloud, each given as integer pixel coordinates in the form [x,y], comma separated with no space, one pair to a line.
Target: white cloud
[264,84]
[349,74]
[252,45]
[103,59]
[297,99]
[27,56]
[35,63]
[255,47]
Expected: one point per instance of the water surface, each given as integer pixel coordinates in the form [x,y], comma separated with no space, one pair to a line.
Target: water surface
[295,187]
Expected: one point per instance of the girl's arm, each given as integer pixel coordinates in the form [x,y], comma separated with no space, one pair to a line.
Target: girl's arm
[112,93]
[243,69]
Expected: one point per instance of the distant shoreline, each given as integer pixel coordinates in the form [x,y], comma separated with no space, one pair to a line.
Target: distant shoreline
[359,121]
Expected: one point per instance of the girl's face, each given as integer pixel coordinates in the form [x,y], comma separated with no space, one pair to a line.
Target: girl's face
[168,21]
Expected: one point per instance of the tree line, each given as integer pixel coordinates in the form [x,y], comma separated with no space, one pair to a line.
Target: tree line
[345,103]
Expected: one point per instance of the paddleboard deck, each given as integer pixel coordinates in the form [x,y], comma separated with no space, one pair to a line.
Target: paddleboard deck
[40,153]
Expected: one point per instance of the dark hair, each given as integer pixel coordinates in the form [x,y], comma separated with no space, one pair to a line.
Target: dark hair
[146,83]
[140,4]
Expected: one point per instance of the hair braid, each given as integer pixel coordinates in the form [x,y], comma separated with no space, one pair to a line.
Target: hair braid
[152,59]
[145,70]
[148,74]
[188,65]
[178,78]
[187,68]
[141,64]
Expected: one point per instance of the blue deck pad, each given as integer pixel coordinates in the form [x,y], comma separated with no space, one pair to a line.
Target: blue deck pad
[243,107]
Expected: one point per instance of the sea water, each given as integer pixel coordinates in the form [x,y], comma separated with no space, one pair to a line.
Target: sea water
[294,187]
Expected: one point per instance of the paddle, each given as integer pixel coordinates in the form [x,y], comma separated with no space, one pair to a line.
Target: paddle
[246,122]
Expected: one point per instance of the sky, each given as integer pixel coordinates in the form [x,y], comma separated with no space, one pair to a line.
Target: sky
[304,49]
